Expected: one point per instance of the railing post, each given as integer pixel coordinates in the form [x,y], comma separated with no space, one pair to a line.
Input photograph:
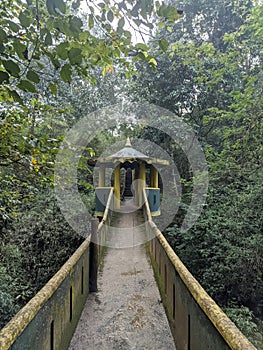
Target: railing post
[94,256]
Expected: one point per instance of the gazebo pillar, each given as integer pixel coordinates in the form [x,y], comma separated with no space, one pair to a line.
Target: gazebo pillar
[117,187]
[153,177]
[136,186]
[102,176]
[142,182]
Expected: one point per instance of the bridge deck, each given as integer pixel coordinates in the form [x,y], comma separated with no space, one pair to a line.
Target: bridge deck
[126,313]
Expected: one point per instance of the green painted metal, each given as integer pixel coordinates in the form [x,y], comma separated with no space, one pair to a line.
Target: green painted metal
[102,194]
[153,195]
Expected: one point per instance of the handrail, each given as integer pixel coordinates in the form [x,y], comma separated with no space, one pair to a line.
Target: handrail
[231,334]
[107,208]
[20,321]
[146,203]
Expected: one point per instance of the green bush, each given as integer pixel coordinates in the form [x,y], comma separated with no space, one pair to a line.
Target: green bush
[224,250]
[32,251]
[245,321]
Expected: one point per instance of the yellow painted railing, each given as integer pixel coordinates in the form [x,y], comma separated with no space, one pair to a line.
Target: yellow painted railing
[104,225]
[196,321]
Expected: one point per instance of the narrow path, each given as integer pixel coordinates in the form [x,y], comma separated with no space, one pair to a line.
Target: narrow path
[126,313]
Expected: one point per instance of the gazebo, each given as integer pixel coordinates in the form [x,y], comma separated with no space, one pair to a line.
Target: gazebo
[133,172]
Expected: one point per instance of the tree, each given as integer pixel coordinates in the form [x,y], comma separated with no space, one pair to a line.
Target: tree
[54,29]
[207,21]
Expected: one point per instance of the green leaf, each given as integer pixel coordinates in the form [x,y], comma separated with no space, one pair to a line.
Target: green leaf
[50,7]
[43,31]
[31,75]
[76,5]
[19,48]
[13,26]
[161,24]
[144,9]
[3,36]
[121,23]
[83,36]
[62,26]
[53,88]
[4,77]
[138,22]
[24,20]
[65,73]
[153,62]
[110,16]
[161,10]
[149,25]
[40,65]
[12,68]
[62,50]
[134,12]
[128,36]
[48,39]
[163,44]
[15,96]
[91,21]
[142,47]
[25,85]
[74,55]
[75,25]
[55,62]
[60,5]
[169,12]
[50,23]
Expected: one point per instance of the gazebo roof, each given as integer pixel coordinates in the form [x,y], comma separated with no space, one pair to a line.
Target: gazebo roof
[130,154]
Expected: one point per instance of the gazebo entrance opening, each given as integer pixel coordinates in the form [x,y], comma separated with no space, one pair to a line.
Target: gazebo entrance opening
[127,191]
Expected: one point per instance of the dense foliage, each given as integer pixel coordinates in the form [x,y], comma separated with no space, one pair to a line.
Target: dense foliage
[207,70]
[74,36]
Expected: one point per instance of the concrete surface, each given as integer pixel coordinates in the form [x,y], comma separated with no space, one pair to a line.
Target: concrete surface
[126,313]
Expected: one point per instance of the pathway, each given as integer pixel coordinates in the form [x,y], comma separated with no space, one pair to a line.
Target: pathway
[127,312]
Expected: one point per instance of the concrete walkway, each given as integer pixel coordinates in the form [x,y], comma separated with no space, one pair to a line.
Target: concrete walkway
[126,313]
